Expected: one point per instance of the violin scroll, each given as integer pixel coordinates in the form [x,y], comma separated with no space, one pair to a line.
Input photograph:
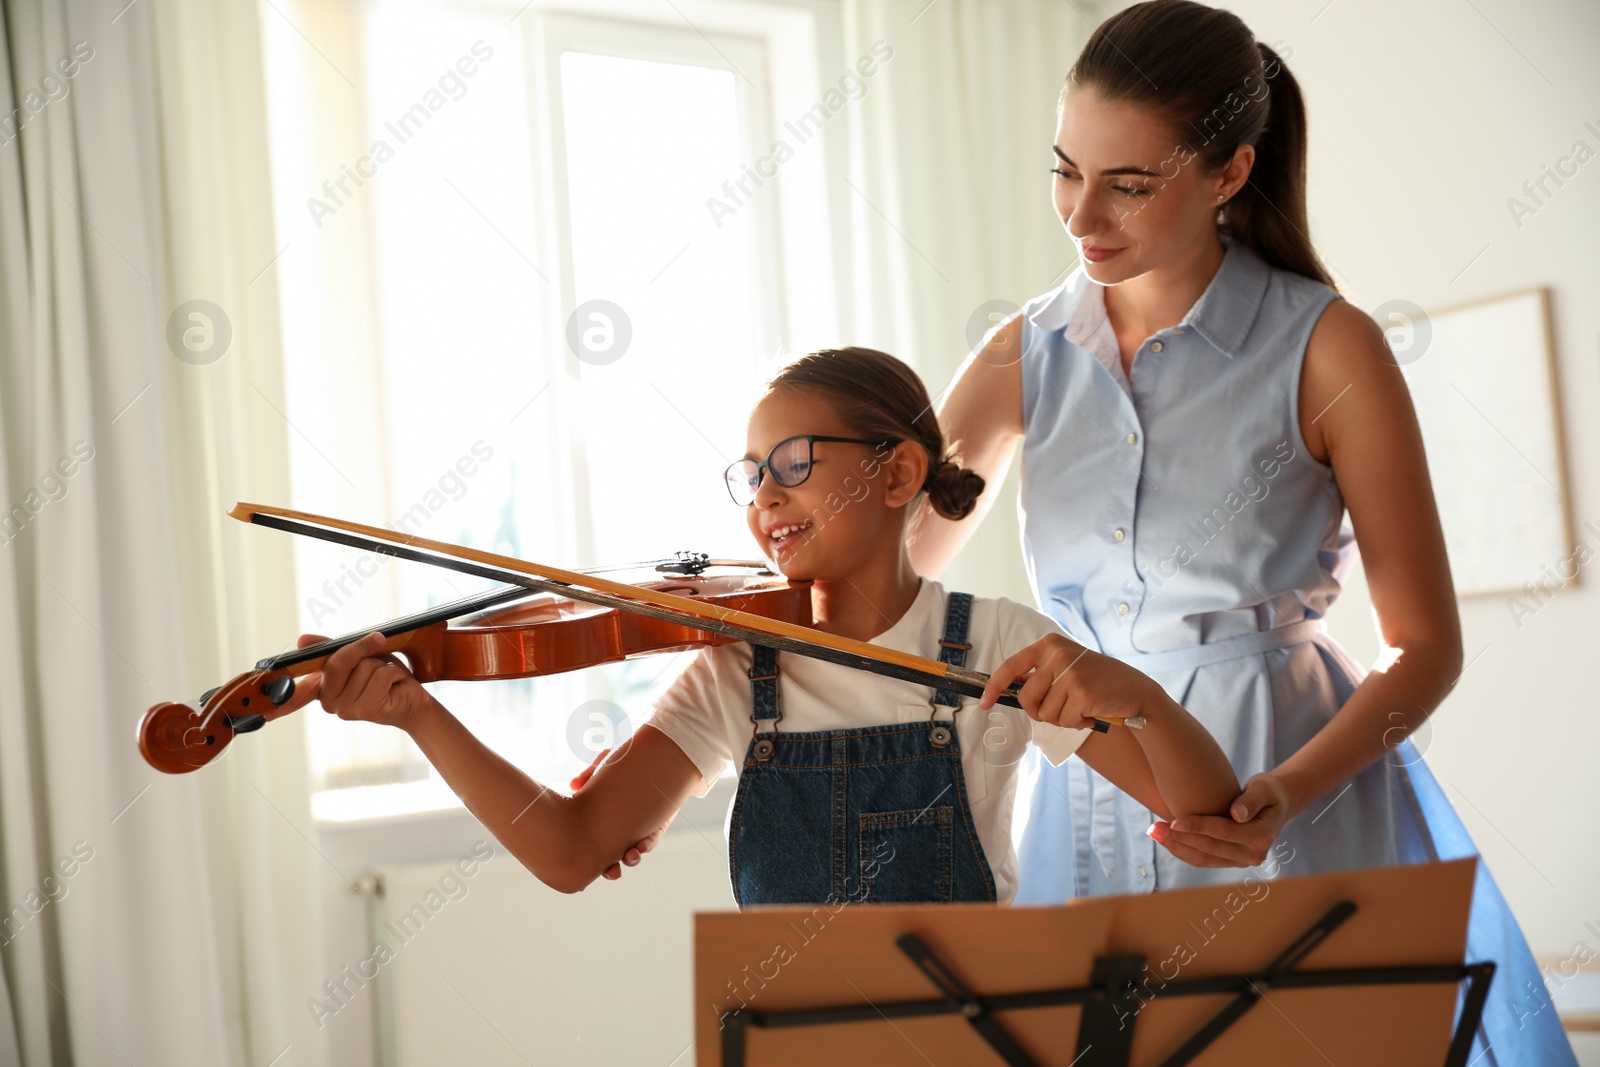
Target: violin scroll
[177,738]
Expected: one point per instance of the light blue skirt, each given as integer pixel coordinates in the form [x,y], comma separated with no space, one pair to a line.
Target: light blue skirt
[1084,837]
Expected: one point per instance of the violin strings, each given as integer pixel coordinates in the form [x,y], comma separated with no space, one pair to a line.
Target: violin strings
[395,627]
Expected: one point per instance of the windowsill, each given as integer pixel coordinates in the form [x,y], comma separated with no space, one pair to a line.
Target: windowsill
[418,822]
[383,804]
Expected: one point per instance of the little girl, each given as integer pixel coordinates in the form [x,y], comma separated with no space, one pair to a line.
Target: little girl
[852,787]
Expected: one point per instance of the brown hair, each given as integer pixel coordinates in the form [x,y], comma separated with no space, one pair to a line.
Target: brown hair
[880,397]
[1196,66]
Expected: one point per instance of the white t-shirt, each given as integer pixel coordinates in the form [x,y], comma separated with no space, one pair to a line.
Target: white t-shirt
[706,710]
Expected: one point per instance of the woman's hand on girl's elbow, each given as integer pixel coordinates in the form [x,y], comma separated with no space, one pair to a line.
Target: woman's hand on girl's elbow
[634,853]
[583,849]
[1241,838]
[647,779]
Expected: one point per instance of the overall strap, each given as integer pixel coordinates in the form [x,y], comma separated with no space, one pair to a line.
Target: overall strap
[953,645]
[764,698]
[763,682]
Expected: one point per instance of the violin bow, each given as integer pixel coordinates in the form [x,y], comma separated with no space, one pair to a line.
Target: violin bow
[576,585]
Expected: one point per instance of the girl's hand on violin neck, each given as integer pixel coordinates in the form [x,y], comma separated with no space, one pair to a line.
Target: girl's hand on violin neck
[357,684]
[1068,685]
[305,687]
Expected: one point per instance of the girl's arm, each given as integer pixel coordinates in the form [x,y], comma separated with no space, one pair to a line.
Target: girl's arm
[1356,409]
[566,841]
[981,415]
[1173,766]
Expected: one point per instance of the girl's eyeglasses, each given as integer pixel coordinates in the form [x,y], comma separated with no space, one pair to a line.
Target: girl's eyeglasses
[789,461]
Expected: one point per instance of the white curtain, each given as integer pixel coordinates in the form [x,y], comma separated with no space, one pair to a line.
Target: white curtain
[174,920]
[951,207]
[147,919]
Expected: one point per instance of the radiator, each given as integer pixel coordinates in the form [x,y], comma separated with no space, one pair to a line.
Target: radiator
[492,967]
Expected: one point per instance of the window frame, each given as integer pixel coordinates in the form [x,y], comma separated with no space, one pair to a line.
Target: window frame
[775,49]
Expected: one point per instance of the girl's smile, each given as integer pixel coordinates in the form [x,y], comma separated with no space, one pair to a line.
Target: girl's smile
[786,536]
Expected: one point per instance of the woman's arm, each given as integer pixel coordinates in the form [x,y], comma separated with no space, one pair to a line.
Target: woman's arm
[981,415]
[566,841]
[1172,766]
[1356,414]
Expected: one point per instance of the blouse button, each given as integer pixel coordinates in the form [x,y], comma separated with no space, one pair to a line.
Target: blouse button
[1122,608]
[1155,346]
[1118,533]
[1132,437]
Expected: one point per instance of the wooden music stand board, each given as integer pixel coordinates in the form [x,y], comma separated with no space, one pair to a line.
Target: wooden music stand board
[1354,967]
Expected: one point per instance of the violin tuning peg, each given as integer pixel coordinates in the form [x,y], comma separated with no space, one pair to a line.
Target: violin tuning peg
[281,689]
[691,563]
[205,698]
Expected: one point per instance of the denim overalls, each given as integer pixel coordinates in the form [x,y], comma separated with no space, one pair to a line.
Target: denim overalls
[876,814]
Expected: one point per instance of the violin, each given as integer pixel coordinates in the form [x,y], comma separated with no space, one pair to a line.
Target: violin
[474,639]
[543,636]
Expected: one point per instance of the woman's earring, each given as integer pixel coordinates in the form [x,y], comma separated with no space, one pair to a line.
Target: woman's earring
[1220,198]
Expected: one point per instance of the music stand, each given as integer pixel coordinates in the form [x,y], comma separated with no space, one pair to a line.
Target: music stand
[1352,967]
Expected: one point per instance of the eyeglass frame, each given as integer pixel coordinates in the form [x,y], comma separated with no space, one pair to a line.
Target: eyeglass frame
[811,440]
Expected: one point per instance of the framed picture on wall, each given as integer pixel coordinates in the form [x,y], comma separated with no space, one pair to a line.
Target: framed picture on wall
[1482,376]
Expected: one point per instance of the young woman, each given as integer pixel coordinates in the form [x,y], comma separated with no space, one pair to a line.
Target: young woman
[1196,408]
[852,787]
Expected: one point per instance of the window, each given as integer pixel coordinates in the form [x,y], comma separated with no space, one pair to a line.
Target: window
[513,318]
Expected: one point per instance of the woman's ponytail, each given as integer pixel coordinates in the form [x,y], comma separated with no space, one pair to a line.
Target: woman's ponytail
[1269,212]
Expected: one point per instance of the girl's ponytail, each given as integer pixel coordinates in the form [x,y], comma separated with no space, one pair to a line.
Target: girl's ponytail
[953,490]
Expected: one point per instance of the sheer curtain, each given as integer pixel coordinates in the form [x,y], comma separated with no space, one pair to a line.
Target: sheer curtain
[174,920]
[949,194]
[147,918]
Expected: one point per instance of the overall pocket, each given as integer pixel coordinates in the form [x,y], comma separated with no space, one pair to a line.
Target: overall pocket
[906,857]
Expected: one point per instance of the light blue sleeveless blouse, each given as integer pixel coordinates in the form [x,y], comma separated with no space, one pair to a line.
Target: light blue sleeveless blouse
[1175,519]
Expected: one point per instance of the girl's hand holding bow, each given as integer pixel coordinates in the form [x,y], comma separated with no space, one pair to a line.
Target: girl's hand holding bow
[1067,685]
